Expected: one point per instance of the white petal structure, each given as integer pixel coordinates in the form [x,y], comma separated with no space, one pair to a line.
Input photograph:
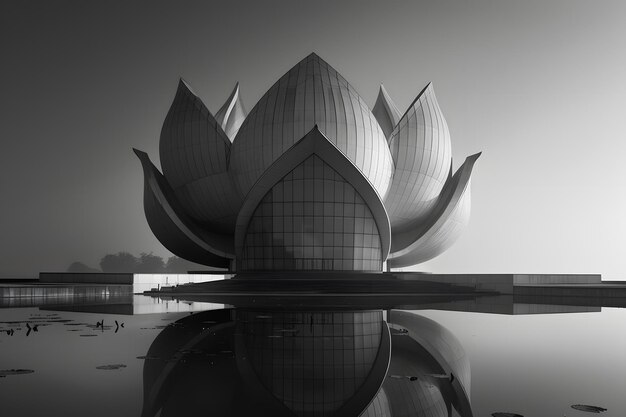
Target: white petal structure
[421,150]
[232,114]
[311,93]
[424,348]
[174,229]
[310,180]
[194,156]
[386,112]
[442,228]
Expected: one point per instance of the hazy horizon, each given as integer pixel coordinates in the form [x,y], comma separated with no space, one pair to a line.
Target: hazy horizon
[537,86]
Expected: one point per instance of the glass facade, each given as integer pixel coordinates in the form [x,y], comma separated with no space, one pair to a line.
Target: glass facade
[312,219]
[313,362]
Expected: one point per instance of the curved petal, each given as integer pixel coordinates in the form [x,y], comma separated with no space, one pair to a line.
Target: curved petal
[158,374]
[386,112]
[379,407]
[311,93]
[194,156]
[442,228]
[178,233]
[334,192]
[232,114]
[444,351]
[421,150]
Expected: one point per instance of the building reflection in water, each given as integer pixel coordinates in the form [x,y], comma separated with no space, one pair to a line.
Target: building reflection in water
[240,362]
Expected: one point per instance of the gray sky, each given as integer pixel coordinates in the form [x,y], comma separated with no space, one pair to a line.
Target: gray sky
[538,86]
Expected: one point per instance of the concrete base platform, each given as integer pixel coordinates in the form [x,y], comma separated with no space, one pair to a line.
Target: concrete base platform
[390,282]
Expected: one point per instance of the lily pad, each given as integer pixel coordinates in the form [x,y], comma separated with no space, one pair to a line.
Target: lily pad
[147,357]
[111,367]
[7,372]
[588,408]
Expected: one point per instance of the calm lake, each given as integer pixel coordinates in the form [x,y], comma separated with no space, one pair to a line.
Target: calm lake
[151,357]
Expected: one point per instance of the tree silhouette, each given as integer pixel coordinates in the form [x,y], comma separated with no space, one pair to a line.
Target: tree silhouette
[81,267]
[120,262]
[182,266]
[149,263]
[146,263]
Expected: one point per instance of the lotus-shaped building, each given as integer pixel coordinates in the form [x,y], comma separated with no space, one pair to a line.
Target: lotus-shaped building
[310,179]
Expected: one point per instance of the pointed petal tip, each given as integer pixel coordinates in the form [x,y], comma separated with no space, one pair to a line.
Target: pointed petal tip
[314,56]
[140,154]
[386,112]
[469,161]
[185,86]
[235,93]
[144,160]
[428,87]
[382,92]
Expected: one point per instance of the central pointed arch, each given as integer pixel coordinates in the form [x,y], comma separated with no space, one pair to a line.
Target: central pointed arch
[314,144]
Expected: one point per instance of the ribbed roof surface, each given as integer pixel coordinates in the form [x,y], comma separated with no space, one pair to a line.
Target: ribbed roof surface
[194,156]
[422,153]
[311,93]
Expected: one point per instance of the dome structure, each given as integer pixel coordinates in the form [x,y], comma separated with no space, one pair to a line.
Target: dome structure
[310,179]
[311,93]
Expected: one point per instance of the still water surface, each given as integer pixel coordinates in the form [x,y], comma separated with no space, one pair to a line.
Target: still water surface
[219,360]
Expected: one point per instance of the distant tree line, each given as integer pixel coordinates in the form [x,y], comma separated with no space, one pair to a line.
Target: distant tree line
[145,263]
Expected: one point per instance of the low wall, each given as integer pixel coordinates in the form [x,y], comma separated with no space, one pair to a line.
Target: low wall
[85,278]
[146,282]
[502,283]
[139,282]
[508,305]
[34,294]
[556,279]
